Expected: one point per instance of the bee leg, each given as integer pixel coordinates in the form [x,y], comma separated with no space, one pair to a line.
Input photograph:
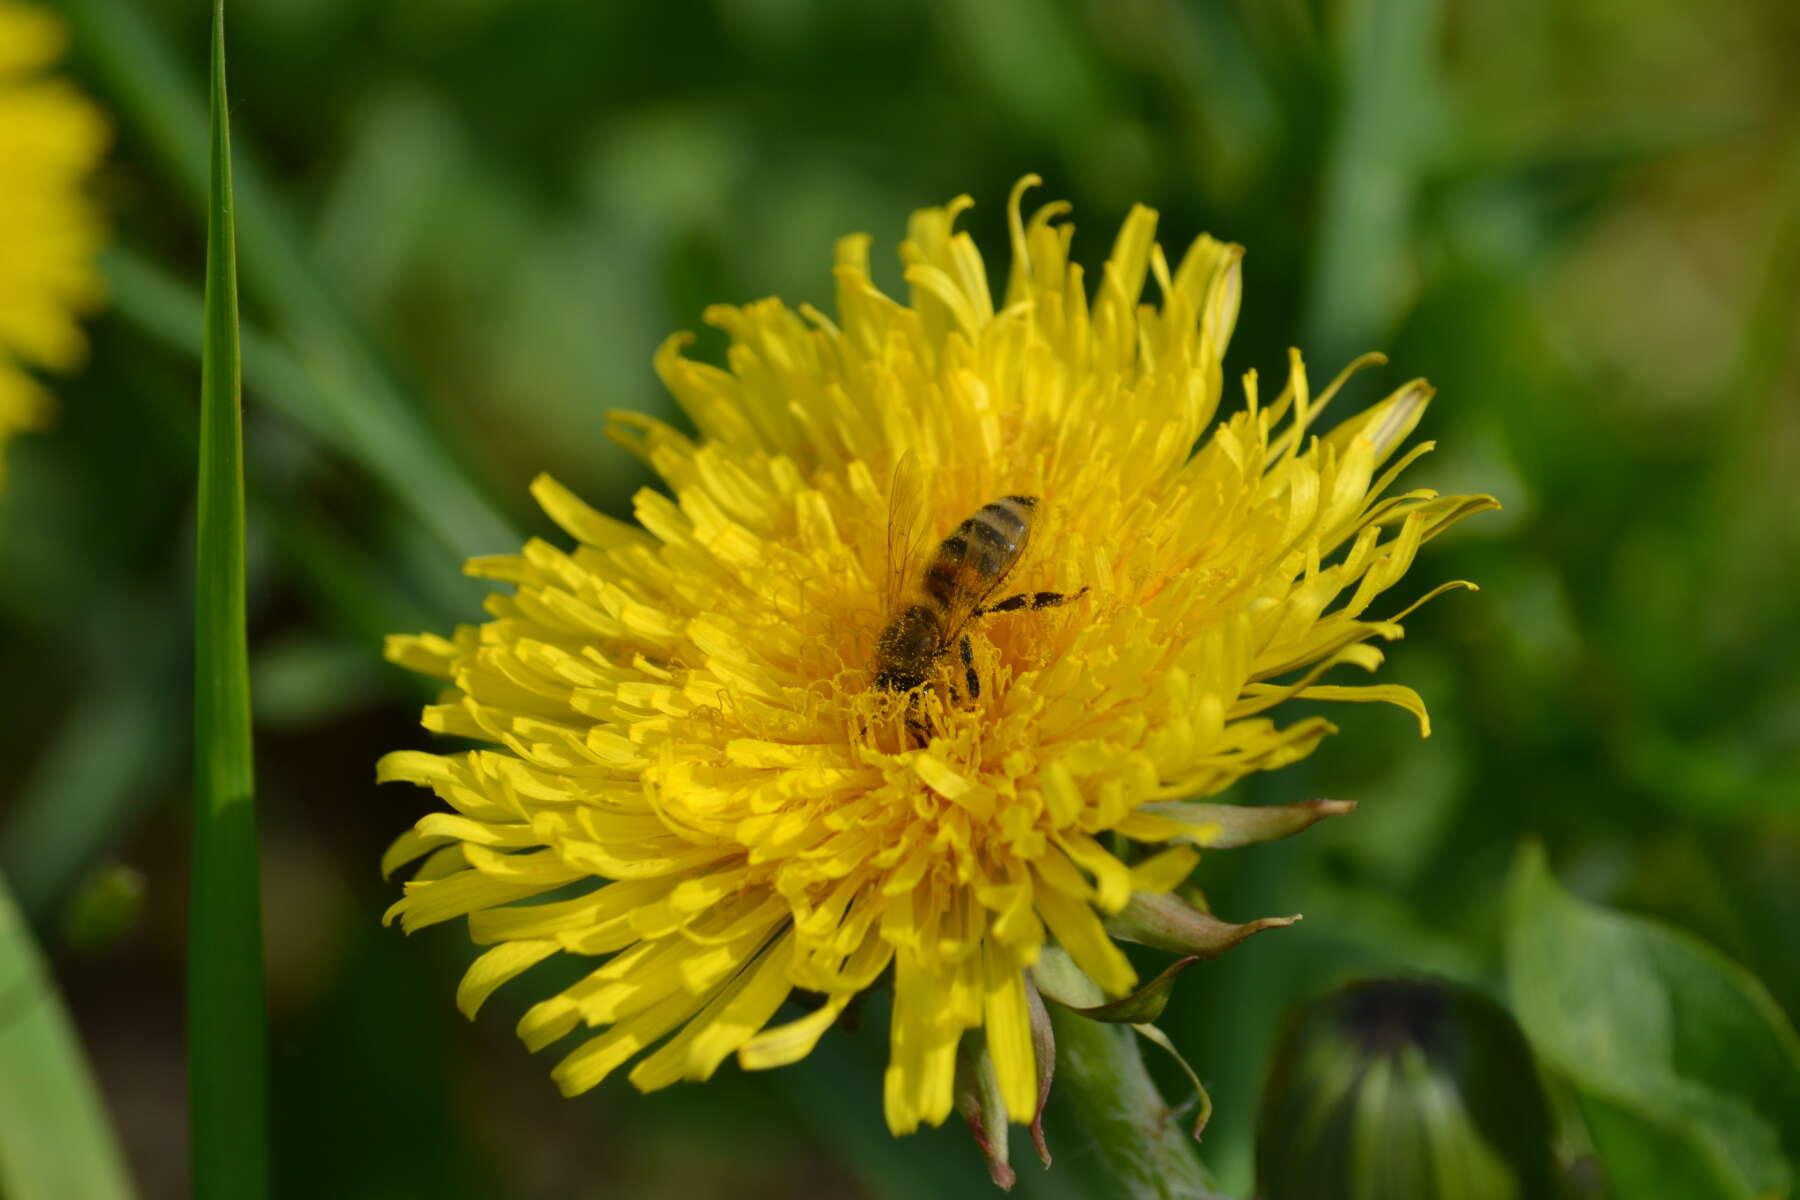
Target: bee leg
[968,660]
[917,727]
[1031,600]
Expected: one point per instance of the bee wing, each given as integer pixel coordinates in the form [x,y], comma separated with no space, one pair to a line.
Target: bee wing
[998,583]
[906,530]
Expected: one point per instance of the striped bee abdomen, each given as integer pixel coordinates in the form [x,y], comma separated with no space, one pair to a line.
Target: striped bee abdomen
[972,560]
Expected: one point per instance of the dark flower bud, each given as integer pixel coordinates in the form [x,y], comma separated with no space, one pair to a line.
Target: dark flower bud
[1394,1089]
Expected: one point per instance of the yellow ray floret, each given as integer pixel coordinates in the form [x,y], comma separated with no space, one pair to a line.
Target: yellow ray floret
[687,743]
[50,139]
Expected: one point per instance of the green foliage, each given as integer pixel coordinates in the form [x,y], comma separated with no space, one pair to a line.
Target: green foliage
[55,1139]
[465,226]
[1686,1069]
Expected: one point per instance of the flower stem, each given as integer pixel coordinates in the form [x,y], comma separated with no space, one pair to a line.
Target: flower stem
[1140,1144]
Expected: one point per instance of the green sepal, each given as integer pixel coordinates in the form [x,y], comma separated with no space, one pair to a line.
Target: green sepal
[1043,1046]
[1234,825]
[1154,1034]
[1145,1004]
[979,1101]
[1168,922]
[1060,980]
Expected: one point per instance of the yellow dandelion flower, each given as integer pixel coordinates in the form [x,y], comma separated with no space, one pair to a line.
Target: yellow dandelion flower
[50,139]
[688,730]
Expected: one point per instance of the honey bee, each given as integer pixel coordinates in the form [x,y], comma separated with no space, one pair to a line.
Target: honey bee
[967,568]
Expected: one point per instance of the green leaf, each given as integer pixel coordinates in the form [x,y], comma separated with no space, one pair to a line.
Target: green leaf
[227,1047]
[55,1139]
[1686,1068]
[1644,1157]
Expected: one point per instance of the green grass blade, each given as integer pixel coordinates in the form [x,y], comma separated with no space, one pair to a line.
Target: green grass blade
[227,1047]
[55,1139]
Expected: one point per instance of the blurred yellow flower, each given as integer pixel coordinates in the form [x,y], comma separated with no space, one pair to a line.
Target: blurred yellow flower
[50,139]
[691,749]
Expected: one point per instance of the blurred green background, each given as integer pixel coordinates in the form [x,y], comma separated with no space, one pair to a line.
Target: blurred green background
[465,224]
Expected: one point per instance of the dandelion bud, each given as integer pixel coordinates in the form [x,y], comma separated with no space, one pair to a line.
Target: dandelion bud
[1392,1089]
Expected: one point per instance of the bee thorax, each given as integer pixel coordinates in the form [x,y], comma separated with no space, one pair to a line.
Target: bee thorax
[908,645]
